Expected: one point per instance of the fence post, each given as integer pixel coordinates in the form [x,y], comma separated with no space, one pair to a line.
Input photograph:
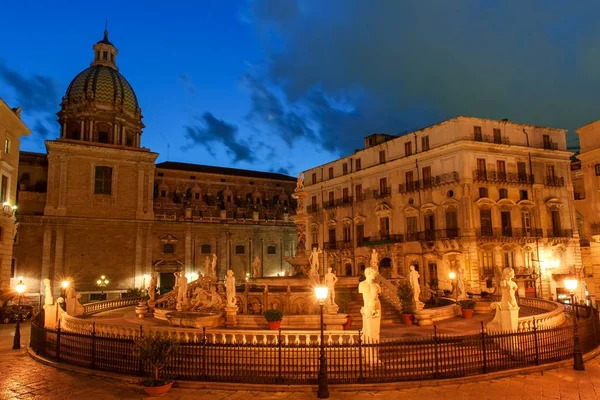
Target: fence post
[361,378]
[279,377]
[40,329]
[435,353]
[140,362]
[537,347]
[483,348]
[203,354]
[94,345]
[58,341]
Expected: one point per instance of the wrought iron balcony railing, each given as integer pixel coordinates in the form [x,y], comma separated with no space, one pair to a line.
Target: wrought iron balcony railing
[554,181]
[311,208]
[508,232]
[428,182]
[559,233]
[478,137]
[379,194]
[550,145]
[504,177]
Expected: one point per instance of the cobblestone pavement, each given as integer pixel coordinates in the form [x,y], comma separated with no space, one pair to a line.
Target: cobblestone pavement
[24,378]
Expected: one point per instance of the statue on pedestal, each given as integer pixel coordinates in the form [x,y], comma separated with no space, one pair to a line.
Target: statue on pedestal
[230,288]
[256,267]
[214,265]
[330,280]
[299,183]
[48,299]
[371,310]
[508,288]
[314,261]
[74,307]
[182,300]
[374,263]
[207,266]
[152,289]
[413,280]
[507,310]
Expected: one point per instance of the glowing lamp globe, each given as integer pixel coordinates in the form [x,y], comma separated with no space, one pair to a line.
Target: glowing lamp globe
[99,282]
[64,284]
[571,284]
[20,288]
[321,293]
[452,275]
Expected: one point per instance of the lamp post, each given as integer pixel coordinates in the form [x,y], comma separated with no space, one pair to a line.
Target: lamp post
[63,290]
[20,289]
[452,276]
[571,285]
[534,277]
[323,392]
[102,283]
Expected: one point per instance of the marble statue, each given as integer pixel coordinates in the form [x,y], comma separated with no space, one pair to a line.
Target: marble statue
[256,267]
[48,299]
[230,288]
[371,310]
[214,265]
[182,284]
[314,261]
[330,280]
[460,282]
[74,307]
[413,280]
[508,288]
[152,287]
[374,263]
[299,183]
[207,266]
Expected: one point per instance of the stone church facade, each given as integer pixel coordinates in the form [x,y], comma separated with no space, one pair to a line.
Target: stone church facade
[98,204]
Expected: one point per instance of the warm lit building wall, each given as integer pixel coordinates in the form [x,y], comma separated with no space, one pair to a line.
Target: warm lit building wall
[11,130]
[423,197]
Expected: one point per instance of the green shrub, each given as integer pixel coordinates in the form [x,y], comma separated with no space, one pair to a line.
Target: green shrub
[405,293]
[155,351]
[467,304]
[273,315]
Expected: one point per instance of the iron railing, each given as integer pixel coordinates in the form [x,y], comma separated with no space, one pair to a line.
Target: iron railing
[338,245]
[550,145]
[478,137]
[312,208]
[559,233]
[385,192]
[426,183]
[484,175]
[379,239]
[487,231]
[275,360]
[554,181]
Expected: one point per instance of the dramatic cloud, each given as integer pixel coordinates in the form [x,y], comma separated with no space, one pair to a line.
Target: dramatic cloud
[401,65]
[211,131]
[38,95]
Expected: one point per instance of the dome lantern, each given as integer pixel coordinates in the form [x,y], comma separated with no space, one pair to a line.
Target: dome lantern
[105,53]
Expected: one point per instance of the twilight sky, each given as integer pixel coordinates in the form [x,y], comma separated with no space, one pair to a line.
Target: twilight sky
[284,85]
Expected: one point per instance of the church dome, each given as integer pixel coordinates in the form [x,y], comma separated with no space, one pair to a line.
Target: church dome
[102,84]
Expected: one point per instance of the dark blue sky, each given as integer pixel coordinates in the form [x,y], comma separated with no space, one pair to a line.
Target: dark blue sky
[284,85]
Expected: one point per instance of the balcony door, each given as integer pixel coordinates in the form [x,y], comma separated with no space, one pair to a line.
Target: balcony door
[506,223]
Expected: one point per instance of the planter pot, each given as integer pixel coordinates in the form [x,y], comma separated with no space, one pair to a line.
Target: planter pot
[274,325]
[407,319]
[467,313]
[156,391]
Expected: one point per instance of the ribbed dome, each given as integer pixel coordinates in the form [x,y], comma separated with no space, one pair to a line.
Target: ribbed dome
[102,84]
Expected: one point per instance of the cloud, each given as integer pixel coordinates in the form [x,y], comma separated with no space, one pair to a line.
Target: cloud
[211,132]
[186,82]
[403,65]
[39,96]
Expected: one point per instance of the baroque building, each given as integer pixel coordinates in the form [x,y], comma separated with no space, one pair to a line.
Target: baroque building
[467,192]
[97,204]
[11,130]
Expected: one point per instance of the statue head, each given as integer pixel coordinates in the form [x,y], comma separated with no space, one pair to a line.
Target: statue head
[229,273]
[329,269]
[412,267]
[508,273]
[370,273]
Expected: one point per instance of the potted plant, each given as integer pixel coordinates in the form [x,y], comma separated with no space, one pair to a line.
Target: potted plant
[467,306]
[405,293]
[156,352]
[447,292]
[274,318]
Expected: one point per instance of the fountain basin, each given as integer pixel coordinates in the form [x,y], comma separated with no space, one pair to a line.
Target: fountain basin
[193,319]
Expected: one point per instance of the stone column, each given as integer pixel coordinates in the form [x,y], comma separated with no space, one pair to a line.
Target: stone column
[123,141]
[91,132]
[82,129]
[46,254]
[137,268]
[59,251]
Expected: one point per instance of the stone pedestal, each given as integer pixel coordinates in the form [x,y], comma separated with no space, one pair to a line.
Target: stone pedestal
[231,316]
[334,322]
[142,309]
[331,309]
[419,305]
[52,313]
[74,307]
[505,320]
[151,305]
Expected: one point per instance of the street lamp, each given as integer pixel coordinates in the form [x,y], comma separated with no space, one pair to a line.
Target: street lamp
[571,285]
[20,289]
[323,392]
[63,289]
[452,276]
[102,282]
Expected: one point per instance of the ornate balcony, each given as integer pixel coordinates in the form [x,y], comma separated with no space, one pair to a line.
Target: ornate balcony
[516,233]
[337,245]
[478,137]
[550,145]
[380,239]
[559,233]
[554,181]
[312,208]
[380,194]
[437,180]
[502,177]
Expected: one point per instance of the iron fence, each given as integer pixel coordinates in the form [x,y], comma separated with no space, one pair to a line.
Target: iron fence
[435,356]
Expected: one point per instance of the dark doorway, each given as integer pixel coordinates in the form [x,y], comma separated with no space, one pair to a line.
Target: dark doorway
[348,270]
[385,268]
[167,282]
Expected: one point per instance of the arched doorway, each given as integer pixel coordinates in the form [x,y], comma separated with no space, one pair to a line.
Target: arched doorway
[385,267]
[348,269]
